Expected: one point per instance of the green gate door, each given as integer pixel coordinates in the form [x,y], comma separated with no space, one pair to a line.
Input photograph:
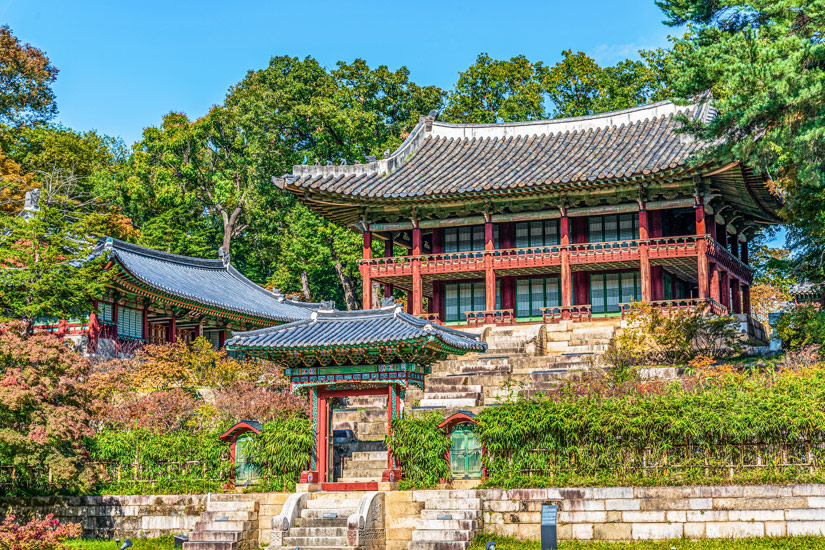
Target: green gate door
[246,473]
[465,452]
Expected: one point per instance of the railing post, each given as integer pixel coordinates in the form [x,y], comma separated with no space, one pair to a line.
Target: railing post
[366,287]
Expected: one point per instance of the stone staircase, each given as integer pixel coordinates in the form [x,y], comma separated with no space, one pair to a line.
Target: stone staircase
[366,462]
[229,523]
[323,522]
[449,520]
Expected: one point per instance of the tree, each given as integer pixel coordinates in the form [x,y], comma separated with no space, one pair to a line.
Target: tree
[493,91]
[764,63]
[45,407]
[26,76]
[45,270]
[575,84]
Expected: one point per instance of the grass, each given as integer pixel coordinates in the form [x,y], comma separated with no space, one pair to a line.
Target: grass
[166,542]
[771,543]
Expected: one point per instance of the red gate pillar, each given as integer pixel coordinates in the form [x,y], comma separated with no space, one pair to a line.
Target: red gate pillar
[388,254]
[703,274]
[366,287]
[566,275]
[489,272]
[417,283]
[644,254]
[392,474]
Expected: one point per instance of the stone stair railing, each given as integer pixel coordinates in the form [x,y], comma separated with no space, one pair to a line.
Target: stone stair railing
[365,528]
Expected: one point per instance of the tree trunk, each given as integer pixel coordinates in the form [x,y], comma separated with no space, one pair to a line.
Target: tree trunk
[229,223]
[305,286]
[346,283]
[377,296]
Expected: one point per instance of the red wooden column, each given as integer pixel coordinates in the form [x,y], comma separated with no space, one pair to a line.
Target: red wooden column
[94,329]
[489,272]
[733,240]
[566,275]
[417,283]
[145,329]
[322,438]
[172,330]
[736,296]
[714,282]
[743,252]
[703,274]
[366,287]
[388,254]
[746,299]
[221,339]
[724,289]
[644,254]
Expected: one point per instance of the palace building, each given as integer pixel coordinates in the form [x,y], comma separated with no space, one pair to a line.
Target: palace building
[156,297]
[549,220]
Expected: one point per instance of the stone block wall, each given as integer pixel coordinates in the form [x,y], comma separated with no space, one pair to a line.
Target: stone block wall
[401,511]
[137,516]
[626,513]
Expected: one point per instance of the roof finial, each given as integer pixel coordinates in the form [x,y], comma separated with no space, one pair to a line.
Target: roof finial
[32,201]
[327,305]
[224,256]
[387,301]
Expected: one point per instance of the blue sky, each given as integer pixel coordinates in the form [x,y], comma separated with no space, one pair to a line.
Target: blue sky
[123,64]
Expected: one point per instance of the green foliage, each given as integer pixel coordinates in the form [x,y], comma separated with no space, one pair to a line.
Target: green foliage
[26,76]
[165,542]
[45,408]
[766,543]
[801,327]
[763,62]
[654,337]
[282,451]
[47,254]
[420,446]
[703,430]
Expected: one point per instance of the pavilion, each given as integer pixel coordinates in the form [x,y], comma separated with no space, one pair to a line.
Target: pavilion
[550,219]
[342,354]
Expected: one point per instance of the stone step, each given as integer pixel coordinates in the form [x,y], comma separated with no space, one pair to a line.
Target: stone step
[317,547]
[440,503]
[231,505]
[448,386]
[319,522]
[210,545]
[442,535]
[338,495]
[363,473]
[456,394]
[369,455]
[442,545]
[216,536]
[452,525]
[361,479]
[314,542]
[365,464]
[317,531]
[225,525]
[332,503]
[233,515]
[458,515]
[427,402]
[341,514]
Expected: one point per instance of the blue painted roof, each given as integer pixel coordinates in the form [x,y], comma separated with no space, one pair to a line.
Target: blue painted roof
[342,328]
[207,282]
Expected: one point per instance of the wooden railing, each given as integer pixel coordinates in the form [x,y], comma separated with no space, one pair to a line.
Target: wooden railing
[432,317]
[490,317]
[546,256]
[554,314]
[683,304]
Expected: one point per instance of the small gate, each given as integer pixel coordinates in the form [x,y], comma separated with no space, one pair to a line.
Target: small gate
[465,452]
[246,472]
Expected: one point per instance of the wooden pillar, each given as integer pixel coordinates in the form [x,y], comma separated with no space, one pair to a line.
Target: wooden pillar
[566,274]
[366,272]
[322,438]
[702,267]
[644,255]
[172,330]
[221,339]
[657,275]
[437,305]
[417,283]
[733,242]
[736,296]
[724,288]
[489,272]
[713,273]
[391,405]
[145,329]
[94,329]
[746,299]
[743,252]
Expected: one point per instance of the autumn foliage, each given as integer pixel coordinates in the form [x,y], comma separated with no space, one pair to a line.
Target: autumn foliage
[38,534]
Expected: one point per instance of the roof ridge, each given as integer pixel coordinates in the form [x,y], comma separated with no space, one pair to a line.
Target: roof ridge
[165,256]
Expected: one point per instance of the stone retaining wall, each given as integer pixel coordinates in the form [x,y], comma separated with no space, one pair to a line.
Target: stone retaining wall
[137,516]
[624,513]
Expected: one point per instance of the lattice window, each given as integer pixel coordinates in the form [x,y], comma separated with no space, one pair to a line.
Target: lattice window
[129,322]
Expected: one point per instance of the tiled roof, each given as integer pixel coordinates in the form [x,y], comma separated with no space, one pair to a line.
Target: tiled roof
[441,159]
[344,328]
[207,282]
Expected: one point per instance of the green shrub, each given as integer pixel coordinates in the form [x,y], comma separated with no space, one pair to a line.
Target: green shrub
[801,327]
[767,543]
[282,451]
[699,430]
[420,446]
